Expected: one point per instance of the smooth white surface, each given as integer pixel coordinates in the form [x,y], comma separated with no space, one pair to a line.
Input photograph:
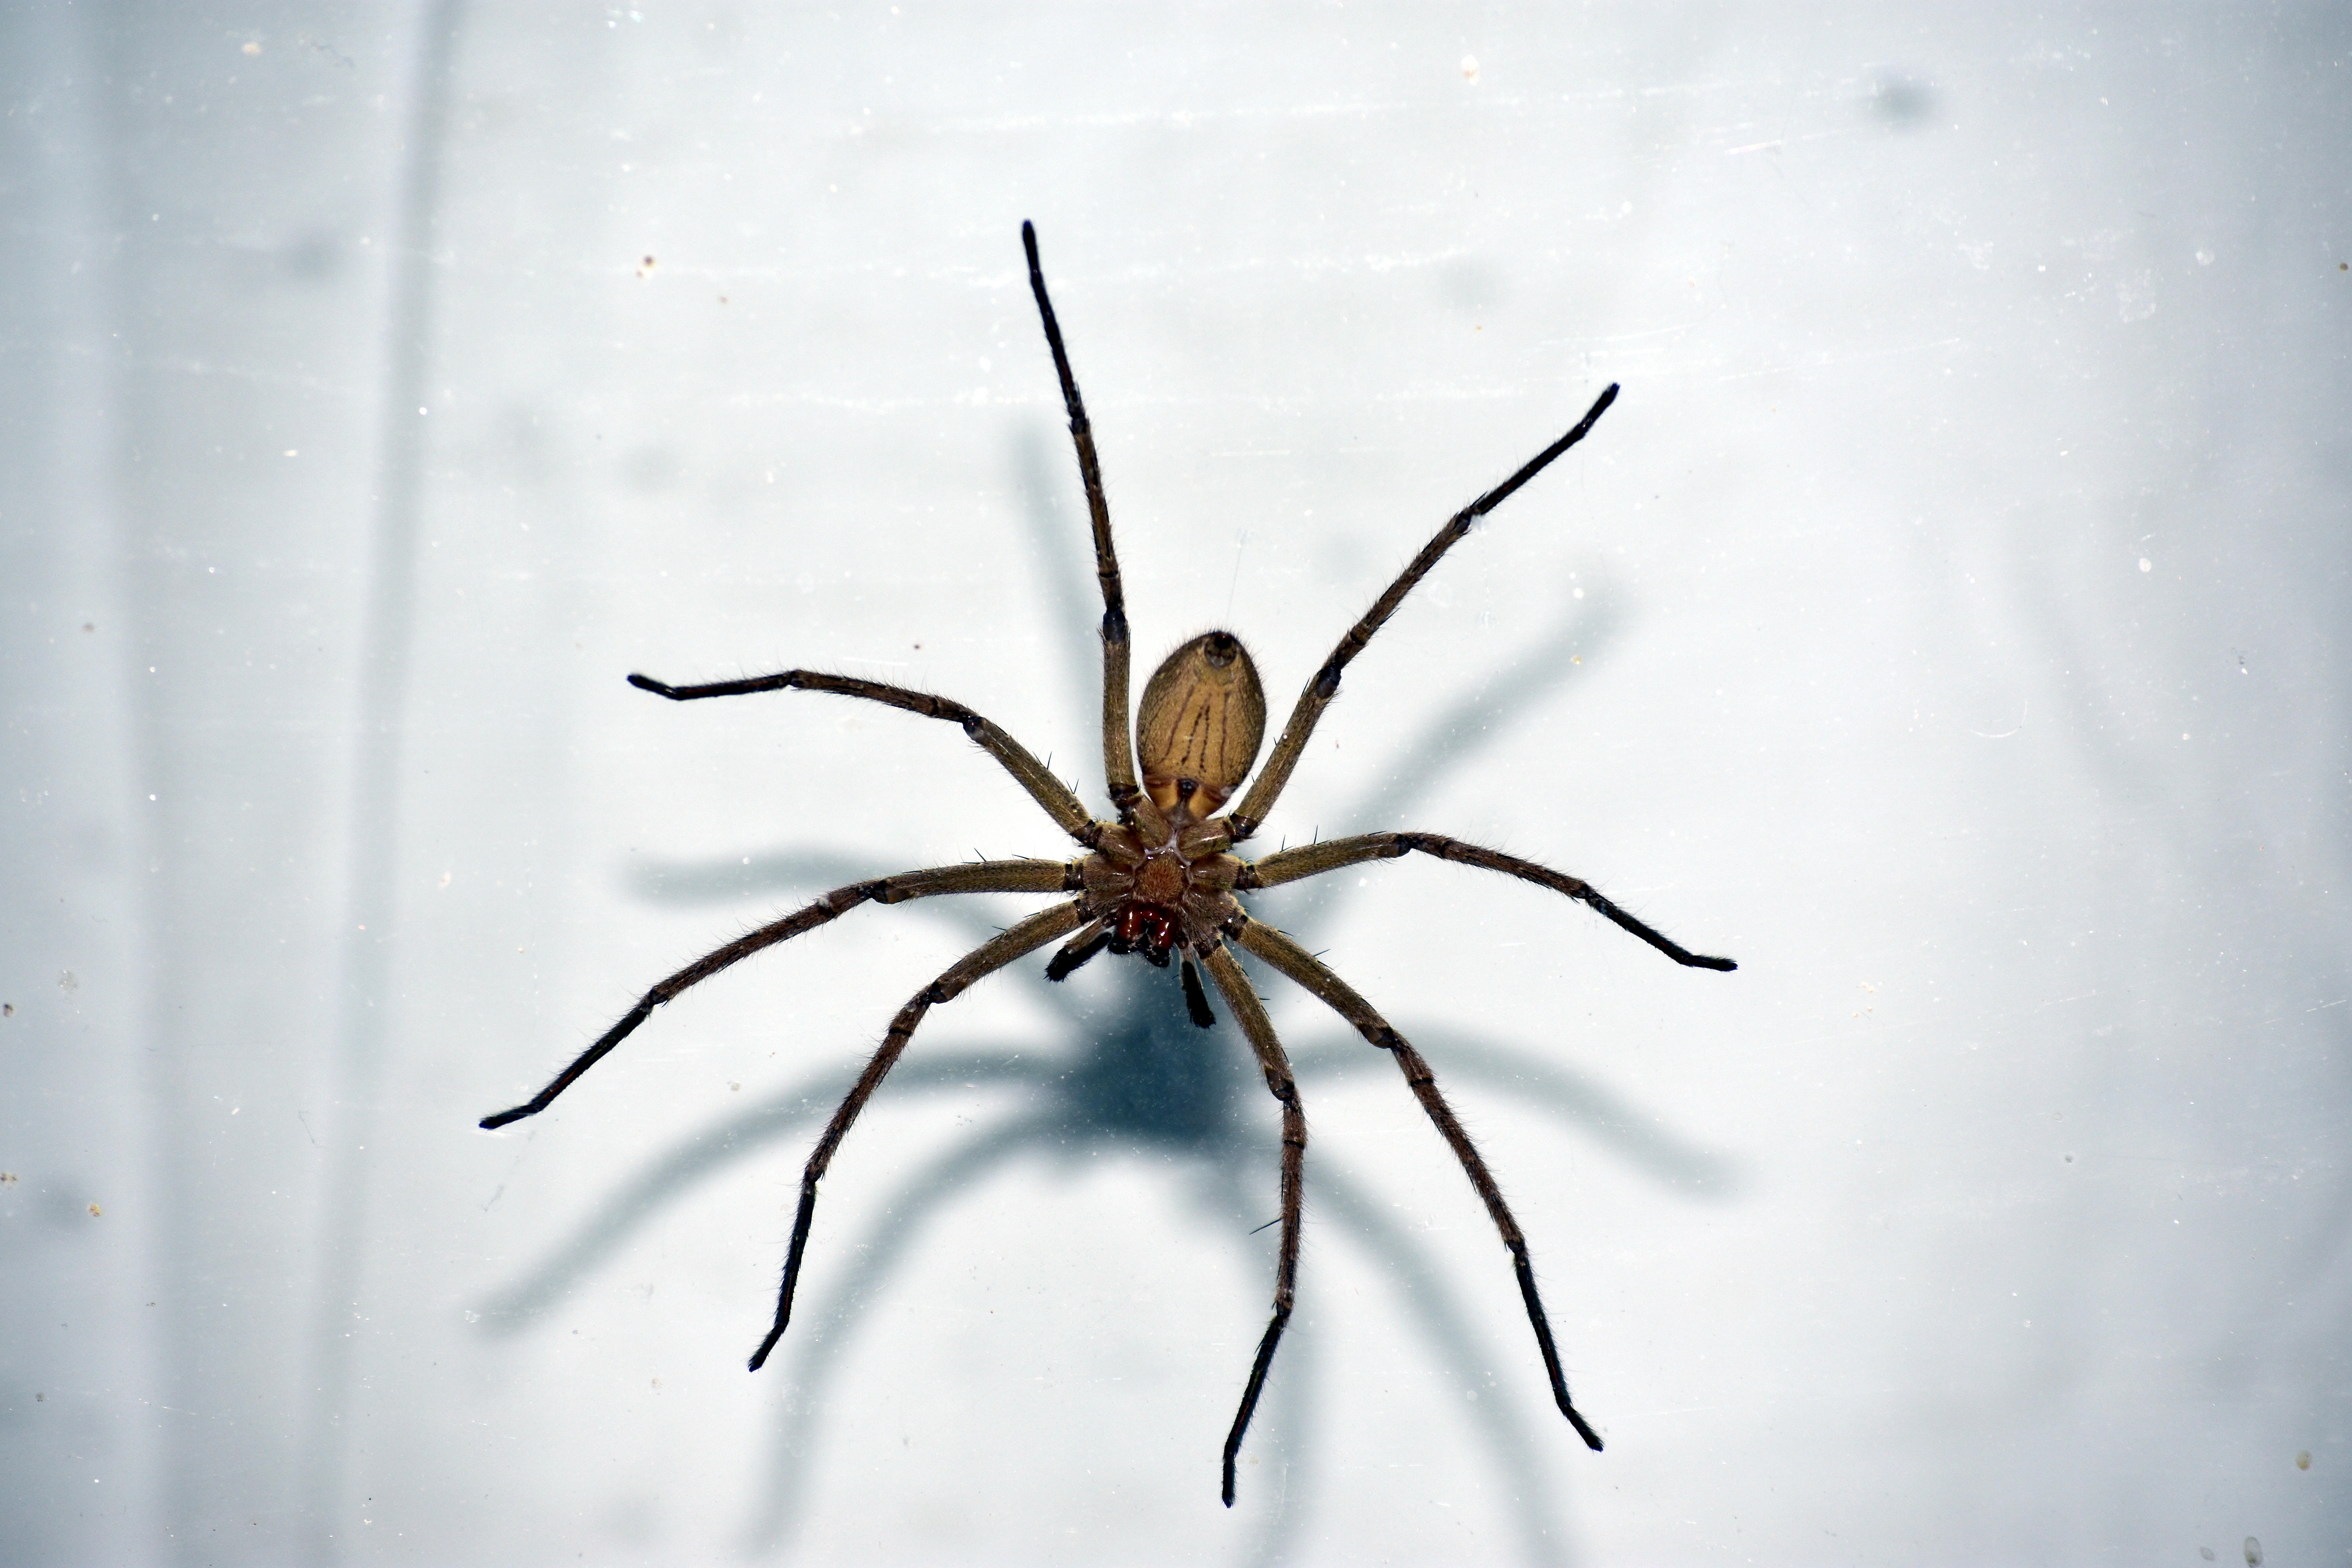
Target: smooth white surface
[1946,622]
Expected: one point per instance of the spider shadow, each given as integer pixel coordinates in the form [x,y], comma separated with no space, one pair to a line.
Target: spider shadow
[1125,1073]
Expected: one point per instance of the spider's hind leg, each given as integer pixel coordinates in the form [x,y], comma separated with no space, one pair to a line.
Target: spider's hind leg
[1323,684]
[1031,774]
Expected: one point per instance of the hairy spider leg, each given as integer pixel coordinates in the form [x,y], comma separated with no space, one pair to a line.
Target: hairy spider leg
[1119,751]
[1030,773]
[1302,966]
[981,876]
[1314,859]
[1250,1012]
[1015,942]
[1325,684]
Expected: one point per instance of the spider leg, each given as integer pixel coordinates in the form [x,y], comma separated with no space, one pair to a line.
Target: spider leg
[1030,773]
[1314,859]
[1302,966]
[1324,685]
[1118,754]
[989,956]
[1242,997]
[981,876]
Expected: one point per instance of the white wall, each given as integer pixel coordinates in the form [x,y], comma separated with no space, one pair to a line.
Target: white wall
[1946,622]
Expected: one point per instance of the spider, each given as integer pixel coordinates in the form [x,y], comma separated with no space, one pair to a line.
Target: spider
[1159,880]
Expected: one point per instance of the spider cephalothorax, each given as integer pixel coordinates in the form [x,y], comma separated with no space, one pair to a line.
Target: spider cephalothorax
[1158,878]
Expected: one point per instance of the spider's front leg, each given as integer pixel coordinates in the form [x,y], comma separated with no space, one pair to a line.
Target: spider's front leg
[983,877]
[1026,937]
[1266,942]
[1242,997]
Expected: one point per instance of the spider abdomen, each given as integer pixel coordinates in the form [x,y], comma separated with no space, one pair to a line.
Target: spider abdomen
[1198,728]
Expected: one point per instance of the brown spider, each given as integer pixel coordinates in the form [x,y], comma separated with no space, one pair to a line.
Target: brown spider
[1159,882]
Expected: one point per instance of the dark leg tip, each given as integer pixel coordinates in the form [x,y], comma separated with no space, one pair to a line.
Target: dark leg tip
[1721,965]
[647,683]
[1065,963]
[1592,1438]
[1196,1000]
[760,1356]
[492,1123]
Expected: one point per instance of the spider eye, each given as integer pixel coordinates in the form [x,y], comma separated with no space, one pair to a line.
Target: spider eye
[1198,729]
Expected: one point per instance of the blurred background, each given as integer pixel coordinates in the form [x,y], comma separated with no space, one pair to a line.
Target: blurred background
[1948,622]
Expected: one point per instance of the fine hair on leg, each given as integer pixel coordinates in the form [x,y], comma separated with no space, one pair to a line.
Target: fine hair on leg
[1324,685]
[1032,775]
[1119,751]
[1250,1012]
[1264,941]
[1025,937]
[980,876]
[1331,854]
